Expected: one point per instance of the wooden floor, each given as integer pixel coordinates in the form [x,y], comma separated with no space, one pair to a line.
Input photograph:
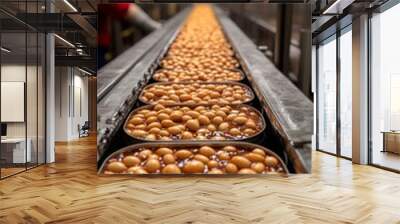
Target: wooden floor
[69,191]
[387,159]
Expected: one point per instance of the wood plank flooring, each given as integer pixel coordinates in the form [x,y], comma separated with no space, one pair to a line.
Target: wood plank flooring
[69,191]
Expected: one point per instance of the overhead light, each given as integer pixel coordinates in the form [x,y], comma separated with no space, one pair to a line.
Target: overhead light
[64,40]
[5,50]
[84,71]
[70,5]
[338,6]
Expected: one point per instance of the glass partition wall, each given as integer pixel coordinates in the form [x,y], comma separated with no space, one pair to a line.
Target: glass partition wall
[22,77]
[327,78]
[385,88]
[334,89]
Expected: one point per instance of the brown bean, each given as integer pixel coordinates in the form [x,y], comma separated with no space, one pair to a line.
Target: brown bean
[137,170]
[136,120]
[131,161]
[139,133]
[271,161]
[152,165]
[174,130]
[163,151]
[169,158]
[240,161]
[176,116]
[231,168]
[259,151]
[167,123]
[229,148]
[193,124]
[116,167]
[254,157]
[212,164]
[215,171]
[207,151]
[193,166]
[171,169]
[187,135]
[145,153]
[204,120]
[223,155]
[246,171]
[258,167]
[183,154]
[201,158]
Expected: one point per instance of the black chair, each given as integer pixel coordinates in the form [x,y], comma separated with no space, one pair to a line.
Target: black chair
[84,130]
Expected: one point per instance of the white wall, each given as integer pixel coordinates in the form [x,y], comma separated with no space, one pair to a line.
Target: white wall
[71,102]
[15,72]
[33,127]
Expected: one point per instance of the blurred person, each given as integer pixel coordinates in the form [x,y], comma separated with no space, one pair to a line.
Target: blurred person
[123,12]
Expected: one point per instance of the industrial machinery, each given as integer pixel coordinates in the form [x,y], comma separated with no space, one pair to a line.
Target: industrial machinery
[287,113]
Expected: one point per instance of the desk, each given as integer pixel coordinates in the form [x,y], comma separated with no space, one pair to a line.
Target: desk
[13,150]
[391,141]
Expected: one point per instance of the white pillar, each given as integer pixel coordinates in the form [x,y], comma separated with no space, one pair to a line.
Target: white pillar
[50,92]
[314,92]
[360,90]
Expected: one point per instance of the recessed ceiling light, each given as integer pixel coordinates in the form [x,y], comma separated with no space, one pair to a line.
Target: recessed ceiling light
[337,7]
[70,5]
[5,50]
[84,71]
[64,40]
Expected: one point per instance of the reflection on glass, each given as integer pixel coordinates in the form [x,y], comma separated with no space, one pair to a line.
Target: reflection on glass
[31,97]
[346,94]
[385,84]
[327,96]
[41,99]
[15,150]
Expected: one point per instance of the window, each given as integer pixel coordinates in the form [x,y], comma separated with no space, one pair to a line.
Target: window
[346,92]
[326,60]
[385,89]
[334,67]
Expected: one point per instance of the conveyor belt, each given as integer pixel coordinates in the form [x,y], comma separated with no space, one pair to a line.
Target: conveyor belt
[114,97]
[290,112]
[287,111]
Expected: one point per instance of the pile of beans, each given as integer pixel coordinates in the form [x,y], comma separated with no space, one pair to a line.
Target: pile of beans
[194,102]
[227,159]
[197,75]
[200,46]
[196,93]
[214,122]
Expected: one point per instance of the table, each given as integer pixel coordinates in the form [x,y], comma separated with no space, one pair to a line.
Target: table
[391,141]
[13,150]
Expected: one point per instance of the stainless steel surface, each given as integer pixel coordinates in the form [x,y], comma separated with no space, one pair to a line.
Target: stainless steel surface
[188,144]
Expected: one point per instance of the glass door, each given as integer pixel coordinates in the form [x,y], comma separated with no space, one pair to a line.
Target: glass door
[14,153]
[345,93]
[326,98]
[22,78]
